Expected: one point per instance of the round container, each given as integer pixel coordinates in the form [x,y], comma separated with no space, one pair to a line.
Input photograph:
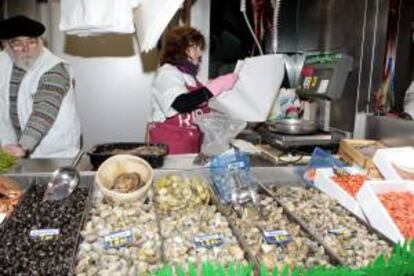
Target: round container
[116,165]
[292,126]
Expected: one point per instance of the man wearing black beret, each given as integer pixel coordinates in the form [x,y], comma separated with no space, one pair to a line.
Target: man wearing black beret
[37,103]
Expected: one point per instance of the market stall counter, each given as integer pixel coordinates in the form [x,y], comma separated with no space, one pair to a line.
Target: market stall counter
[184,221]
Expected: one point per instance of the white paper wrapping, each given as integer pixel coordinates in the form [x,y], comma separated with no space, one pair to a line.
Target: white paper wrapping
[255,91]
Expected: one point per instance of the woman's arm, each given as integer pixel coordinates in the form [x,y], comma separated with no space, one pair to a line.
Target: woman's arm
[191,101]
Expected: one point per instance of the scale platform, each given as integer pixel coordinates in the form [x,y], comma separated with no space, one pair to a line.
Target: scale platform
[288,141]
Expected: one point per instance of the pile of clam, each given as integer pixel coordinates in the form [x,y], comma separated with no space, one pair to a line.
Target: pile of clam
[141,255]
[181,192]
[187,216]
[349,239]
[180,233]
[252,224]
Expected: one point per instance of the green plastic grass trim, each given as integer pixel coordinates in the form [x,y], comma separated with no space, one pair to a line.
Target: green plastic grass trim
[400,263]
[6,161]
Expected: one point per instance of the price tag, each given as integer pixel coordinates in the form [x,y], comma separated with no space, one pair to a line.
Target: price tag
[208,240]
[277,237]
[340,231]
[44,234]
[236,165]
[118,239]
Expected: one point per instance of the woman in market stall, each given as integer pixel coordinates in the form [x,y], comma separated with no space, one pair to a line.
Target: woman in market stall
[179,96]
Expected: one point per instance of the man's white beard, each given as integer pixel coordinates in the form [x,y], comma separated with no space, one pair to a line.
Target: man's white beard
[24,62]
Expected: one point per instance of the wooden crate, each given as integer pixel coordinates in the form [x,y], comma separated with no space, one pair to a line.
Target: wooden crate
[348,150]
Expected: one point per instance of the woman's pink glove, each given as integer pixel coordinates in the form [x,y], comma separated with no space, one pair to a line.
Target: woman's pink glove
[14,149]
[222,83]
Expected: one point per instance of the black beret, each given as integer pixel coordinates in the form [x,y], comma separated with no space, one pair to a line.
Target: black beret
[20,25]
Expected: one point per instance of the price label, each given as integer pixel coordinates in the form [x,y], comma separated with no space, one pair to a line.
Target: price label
[236,165]
[118,239]
[277,237]
[340,231]
[208,240]
[44,234]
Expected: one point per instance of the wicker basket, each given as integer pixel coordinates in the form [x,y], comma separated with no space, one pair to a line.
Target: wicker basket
[114,166]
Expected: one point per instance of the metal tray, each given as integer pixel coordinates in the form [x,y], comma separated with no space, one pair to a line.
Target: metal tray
[214,200]
[334,258]
[312,233]
[27,181]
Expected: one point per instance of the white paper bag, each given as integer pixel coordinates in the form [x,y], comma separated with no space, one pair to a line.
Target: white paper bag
[253,95]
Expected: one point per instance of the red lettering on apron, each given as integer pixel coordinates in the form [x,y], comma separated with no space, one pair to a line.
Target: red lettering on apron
[179,132]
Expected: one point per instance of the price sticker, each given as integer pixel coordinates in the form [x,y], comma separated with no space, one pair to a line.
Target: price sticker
[236,165]
[208,240]
[44,234]
[341,231]
[281,237]
[118,239]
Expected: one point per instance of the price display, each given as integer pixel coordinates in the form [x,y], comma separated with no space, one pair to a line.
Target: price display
[281,237]
[44,234]
[208,240]
[118,239]
[340,231]
[236,166]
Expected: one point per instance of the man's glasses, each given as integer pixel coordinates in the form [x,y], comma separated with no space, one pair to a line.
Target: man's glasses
[19,44]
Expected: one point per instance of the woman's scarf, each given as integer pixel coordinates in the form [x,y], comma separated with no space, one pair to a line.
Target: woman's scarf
[188,67]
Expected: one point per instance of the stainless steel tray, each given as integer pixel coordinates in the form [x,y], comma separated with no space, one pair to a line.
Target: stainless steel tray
[214,200]
[26,181]
[315,235]
[333,257]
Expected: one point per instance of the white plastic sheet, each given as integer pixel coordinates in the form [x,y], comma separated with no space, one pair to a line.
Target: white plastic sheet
[94,17]
[385,159]
[254,93]
[151,18]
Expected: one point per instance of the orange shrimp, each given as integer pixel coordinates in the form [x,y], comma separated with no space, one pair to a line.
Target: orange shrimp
[400,206]
[350,183]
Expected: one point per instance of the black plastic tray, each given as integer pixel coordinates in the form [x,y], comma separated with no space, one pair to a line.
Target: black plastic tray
[99,153]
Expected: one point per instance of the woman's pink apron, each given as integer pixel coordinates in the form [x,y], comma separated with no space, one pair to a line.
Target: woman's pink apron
[179,132]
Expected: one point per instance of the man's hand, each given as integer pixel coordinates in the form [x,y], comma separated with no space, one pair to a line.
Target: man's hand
[15,150]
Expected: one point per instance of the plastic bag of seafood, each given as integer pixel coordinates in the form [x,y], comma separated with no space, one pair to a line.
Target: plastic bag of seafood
[230,174]
[319,159]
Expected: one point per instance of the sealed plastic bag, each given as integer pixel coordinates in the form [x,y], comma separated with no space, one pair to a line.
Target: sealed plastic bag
[230,174]
[320,159]
[218,132]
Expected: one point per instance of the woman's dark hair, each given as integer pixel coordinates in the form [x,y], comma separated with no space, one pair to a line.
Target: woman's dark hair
[176,43]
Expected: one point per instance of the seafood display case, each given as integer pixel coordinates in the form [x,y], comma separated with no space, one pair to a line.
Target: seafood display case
[183,221]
